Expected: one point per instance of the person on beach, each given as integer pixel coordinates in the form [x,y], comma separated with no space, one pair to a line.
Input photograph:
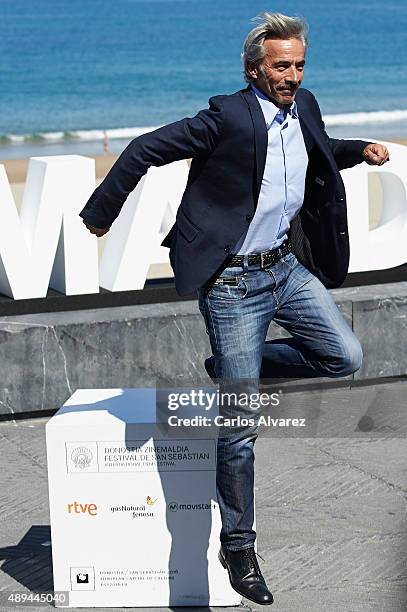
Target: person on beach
[260,234]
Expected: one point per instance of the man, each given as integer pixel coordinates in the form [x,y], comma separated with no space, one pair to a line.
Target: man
[260,233]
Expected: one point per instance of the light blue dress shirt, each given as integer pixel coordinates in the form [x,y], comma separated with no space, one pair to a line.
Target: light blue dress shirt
[282,187]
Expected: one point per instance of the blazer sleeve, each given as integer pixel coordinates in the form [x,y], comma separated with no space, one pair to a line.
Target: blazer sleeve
[183,139]
[347,153]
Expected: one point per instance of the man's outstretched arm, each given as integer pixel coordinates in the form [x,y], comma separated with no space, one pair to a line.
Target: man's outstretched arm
[348,153]
[182,139]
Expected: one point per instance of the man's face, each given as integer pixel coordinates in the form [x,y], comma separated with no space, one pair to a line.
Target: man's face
[282,70]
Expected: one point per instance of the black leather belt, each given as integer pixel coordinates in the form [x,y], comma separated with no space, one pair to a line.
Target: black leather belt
[265,258]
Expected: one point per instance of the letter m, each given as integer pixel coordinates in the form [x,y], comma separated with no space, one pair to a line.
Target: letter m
[47,245]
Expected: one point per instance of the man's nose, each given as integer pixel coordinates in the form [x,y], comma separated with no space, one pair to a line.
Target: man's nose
[292,75]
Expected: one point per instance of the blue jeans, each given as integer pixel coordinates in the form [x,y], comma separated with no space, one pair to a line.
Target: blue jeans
[237,318]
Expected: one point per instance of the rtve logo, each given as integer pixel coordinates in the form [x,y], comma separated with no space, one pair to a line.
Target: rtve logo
[79,508]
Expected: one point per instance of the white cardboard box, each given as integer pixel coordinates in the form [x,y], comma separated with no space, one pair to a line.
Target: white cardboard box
[134,521]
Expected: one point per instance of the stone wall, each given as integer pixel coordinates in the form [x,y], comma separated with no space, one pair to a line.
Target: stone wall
[45,357]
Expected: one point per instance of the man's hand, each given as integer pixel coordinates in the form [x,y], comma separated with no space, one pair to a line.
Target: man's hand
[97,230]
[375,154]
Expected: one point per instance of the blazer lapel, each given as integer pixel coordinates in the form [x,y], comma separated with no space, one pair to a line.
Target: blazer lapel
[306,132]
[260,135]
[311,131]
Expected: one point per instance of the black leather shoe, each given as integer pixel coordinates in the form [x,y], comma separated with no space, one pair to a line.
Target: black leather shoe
[209,368]
[245,575]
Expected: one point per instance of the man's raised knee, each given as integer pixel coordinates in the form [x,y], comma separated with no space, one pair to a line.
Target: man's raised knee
[349,361]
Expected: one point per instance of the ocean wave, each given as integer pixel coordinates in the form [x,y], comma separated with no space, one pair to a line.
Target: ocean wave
[342,119]
[81,135]
[375,117]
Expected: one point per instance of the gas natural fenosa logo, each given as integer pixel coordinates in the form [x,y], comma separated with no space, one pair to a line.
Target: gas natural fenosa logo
[138,511]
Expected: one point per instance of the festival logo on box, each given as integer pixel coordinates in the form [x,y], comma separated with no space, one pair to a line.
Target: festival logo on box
[81,457]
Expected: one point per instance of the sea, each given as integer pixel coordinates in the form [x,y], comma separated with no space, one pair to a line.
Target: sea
[77,75]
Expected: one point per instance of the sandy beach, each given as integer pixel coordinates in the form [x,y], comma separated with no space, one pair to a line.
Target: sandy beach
[17,168]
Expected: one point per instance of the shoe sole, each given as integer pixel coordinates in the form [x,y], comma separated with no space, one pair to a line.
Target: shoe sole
[224,564]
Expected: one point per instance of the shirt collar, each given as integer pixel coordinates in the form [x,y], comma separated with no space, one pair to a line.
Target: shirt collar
[270,109]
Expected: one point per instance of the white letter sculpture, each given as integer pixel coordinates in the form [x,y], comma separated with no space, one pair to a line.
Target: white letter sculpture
[385,246]
[46,246]
[50,246]
[134,239]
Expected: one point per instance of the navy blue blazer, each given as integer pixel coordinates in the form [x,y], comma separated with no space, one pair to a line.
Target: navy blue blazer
[228,145]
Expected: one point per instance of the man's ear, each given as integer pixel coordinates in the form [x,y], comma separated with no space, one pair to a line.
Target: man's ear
[253,71]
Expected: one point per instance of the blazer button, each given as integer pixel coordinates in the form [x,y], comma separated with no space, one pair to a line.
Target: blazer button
[227,248]
[249,217]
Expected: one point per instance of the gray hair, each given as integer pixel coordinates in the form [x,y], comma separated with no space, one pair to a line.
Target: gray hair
[272,25]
